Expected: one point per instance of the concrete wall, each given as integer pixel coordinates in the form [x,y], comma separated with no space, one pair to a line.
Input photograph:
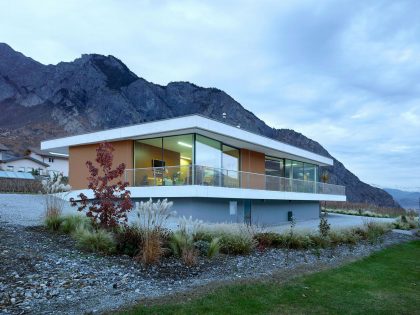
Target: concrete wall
[263,212]
[79,155]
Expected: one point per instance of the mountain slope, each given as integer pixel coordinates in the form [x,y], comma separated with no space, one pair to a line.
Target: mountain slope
[96,92]
[407,199]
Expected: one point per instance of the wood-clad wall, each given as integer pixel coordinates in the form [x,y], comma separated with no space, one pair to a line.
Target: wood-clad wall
[253,162]
[79,155]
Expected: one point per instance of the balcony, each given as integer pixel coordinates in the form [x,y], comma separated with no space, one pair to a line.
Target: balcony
[215,177]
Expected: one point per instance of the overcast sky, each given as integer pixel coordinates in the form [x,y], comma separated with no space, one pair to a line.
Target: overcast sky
[344,73]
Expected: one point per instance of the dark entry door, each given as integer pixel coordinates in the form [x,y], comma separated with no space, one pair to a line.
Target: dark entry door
[247,211]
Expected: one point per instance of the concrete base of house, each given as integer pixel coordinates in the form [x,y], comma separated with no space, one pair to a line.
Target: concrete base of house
[256,211]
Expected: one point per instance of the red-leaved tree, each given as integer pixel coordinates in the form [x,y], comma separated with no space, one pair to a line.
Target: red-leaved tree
[112,201]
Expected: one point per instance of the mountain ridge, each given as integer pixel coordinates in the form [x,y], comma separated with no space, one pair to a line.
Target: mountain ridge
[96,92]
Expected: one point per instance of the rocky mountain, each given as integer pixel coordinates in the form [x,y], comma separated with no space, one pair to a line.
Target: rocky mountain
[96,92]
[407,199]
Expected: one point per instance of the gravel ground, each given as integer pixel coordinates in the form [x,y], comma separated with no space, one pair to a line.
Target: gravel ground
[41,272]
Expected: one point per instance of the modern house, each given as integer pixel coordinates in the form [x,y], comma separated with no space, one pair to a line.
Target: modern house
[211,170]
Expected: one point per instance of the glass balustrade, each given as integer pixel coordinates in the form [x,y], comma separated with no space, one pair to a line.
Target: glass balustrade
[218,177]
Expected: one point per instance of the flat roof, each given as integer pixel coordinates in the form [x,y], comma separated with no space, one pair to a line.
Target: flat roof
[205,126]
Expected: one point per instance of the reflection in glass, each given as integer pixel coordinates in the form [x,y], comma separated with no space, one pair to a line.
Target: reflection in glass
[178,157]
[230,165]
[148,154]
[274,169]
[208,154]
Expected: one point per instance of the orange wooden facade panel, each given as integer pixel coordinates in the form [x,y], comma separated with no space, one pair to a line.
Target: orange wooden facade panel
[79,155]
[253,162]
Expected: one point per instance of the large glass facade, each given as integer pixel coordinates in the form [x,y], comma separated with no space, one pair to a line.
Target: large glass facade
[193,158]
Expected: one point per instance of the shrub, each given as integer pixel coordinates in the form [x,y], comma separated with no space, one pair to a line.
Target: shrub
[270,239]
[203,247]
[95,240]
[112,202]
[53,222]
[128,240]
[315,240]
[70,223]
[324,227]
[214,248]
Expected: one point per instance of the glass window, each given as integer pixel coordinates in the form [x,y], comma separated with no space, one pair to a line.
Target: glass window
[208,152]
[208,161]
[310,172]
[230,165]
[178,157]
[297,169]
[288,169]
[148,154]
[230,158]
[274,167]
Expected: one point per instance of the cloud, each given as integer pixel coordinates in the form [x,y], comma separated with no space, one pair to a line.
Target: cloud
[344,73]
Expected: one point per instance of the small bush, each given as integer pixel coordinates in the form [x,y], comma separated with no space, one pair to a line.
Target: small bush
[128,240]
[324,227]
[72,222]
[202,247]
[183,246]
[233,239]
[214,248]
[53,222]
[270,239]
[375,230]
[95,241]
[318,241]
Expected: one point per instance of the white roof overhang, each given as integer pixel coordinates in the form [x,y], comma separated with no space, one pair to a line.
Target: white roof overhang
[228,134]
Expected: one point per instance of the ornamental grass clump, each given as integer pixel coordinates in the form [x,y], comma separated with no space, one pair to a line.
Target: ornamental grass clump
[70,223]
[151,220]
[182,242]
[93,240]
[234,239]
[54,191]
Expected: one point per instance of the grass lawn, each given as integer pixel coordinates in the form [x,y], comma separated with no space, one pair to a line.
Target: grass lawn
[387,282]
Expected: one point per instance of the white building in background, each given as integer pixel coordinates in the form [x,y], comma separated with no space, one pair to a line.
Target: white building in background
[24,164]
[43,162]
[57,162]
